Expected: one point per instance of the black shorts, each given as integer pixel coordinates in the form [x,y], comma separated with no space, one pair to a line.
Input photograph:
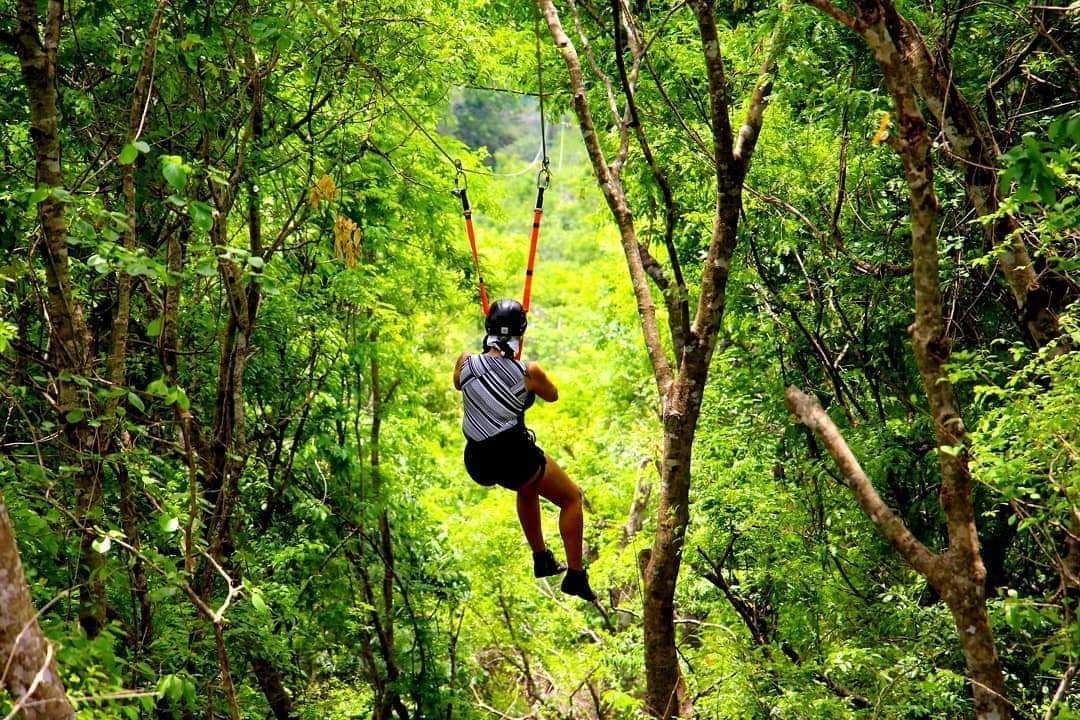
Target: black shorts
[510,459]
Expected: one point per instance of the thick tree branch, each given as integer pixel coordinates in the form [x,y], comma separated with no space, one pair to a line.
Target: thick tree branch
[720,122]
[755,113]
[810,413]
[836,14]
[615,197]
[676,298]
[972,142]
[140,101]
[677,324]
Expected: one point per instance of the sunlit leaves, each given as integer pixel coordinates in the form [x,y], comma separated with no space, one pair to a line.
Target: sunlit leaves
[102,545]
[882,132]
[128,154]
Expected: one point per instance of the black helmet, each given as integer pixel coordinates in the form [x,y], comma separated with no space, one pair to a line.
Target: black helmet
[506,318]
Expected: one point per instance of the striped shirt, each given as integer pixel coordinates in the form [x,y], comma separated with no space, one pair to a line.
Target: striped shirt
[494,392]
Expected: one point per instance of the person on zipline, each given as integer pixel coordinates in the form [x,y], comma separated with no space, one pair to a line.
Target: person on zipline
[496,390]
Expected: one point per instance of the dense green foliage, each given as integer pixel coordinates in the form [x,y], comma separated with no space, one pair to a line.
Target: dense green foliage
[290,154]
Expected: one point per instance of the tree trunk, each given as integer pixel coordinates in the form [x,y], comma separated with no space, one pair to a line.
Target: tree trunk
[680,391]
[972,142]
[242,296]
[270,680]
[32,679]
[140,584]
[958,574]
[71,346]
[666,694]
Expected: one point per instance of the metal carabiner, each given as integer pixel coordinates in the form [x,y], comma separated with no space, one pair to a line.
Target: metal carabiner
[543,178]
[461,180]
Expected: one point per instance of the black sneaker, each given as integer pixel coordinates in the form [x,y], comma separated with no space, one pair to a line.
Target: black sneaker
[545,565]
[576,583]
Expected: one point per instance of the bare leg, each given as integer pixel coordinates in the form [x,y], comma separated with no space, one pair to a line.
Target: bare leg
[557,487]
[528,510]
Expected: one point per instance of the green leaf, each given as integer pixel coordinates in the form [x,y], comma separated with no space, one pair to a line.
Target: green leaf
[258,602]
[100,264]
[174,172]
[1073,129]
[102,545]
[74,416]
[169,524]
[1044,185]
[37,196]
[189,693]
[153,328]
[158,388]
[202,215]
[256,262]
[181,399]
[136,402]
[142,146]
[207,267]
[128,154]
[171,687]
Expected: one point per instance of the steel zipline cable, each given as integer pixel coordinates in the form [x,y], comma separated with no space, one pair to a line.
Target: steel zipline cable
[461,184]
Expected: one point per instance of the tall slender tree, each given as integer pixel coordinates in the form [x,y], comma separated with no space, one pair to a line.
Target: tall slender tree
[681,376]
[958,574]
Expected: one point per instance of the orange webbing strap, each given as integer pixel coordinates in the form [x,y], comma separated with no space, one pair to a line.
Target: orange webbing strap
[466,211]
[537,214]
[542,181]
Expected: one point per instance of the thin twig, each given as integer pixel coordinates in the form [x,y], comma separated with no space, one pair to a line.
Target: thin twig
[33,685]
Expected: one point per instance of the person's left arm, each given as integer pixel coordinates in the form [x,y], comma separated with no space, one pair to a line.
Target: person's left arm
[457,369]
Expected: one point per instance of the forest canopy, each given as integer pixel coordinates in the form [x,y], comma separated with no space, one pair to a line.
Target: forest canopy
[804,280]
